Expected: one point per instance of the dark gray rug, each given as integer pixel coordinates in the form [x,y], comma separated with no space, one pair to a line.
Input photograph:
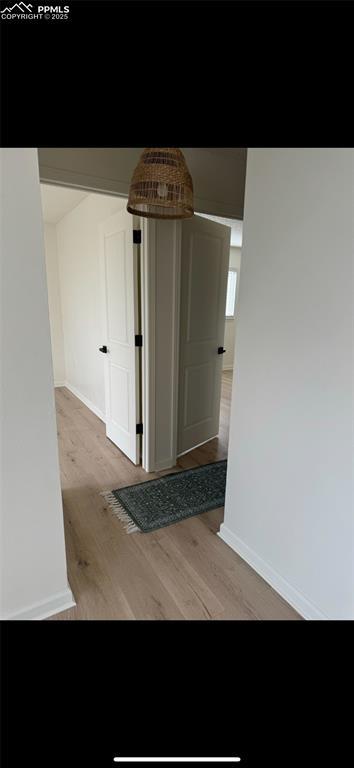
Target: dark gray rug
[157,503]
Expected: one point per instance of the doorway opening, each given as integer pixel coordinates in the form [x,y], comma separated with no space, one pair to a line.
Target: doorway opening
[104,564]
[96,295]
[93,276]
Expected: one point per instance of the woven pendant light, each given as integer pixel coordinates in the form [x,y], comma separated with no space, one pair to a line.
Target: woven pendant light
[161,186]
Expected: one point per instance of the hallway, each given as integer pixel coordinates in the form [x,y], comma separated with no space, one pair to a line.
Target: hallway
[181,572]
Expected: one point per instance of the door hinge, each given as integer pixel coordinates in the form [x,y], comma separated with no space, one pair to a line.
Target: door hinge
[136,236]
[139,429]
[138,340]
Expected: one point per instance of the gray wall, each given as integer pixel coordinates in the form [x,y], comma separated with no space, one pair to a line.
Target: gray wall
[161,254]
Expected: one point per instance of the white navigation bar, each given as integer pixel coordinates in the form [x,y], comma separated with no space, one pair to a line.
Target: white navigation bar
[177,759]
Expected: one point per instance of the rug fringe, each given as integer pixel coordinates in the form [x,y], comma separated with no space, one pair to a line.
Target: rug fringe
[119,511]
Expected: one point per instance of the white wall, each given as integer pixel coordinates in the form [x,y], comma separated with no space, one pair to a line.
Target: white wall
[219,182]
[78,246]
[54,299]
[231,323]
[289,509]
[33,563]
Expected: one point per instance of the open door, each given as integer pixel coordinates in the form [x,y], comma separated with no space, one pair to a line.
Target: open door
[121,325]
[204,268]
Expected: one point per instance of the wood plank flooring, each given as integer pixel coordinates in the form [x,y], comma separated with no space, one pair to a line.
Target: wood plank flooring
[181,572]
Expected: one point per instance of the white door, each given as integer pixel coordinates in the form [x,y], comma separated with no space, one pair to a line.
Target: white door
[204,269]
[119,265]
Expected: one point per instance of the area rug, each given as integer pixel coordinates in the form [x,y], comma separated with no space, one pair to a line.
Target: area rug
[157,503]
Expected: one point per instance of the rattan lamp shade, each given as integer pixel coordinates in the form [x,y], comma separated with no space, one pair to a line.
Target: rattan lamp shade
[161,186]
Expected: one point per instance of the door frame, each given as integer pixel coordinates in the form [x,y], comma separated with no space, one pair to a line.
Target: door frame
[151,258]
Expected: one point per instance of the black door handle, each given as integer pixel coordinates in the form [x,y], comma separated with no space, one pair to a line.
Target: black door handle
[104,349]
[221,350]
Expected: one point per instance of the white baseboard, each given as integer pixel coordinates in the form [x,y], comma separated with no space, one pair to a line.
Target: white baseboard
[45,608]
[306,609]
[85,401]
[59,383]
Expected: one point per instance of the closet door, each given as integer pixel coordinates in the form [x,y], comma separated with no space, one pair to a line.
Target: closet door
[119,268]
[204,269]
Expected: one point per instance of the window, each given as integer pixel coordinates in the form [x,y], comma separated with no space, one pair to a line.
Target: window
[231,293]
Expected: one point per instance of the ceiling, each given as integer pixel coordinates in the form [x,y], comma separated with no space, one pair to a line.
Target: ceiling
[228,152]
[235,224]
[57,201]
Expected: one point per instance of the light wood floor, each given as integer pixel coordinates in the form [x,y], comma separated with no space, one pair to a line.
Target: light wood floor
[184,571]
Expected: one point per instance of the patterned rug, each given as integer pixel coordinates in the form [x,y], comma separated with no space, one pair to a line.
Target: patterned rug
[157,503]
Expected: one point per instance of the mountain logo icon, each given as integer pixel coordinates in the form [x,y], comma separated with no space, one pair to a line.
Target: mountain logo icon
[21,7]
